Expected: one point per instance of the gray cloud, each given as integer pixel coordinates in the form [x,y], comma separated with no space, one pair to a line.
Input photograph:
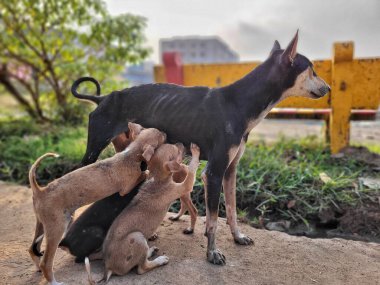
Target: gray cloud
[321,23]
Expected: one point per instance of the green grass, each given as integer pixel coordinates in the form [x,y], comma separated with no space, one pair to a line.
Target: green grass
[22,142]
[269,177]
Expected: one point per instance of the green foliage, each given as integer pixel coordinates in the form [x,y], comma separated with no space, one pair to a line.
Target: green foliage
[46,45]
[22,142]
[269,177]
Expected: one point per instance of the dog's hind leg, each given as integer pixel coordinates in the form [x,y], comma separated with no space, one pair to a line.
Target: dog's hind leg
[187,204]
[182,211]
[53,235]
[229,188]
[148,265]
[35,248]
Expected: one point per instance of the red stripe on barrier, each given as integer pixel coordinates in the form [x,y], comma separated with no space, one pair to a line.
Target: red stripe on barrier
[173,67]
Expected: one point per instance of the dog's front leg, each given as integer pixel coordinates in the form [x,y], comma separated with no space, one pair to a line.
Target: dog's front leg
[229,188]
[212,179]
[99,136]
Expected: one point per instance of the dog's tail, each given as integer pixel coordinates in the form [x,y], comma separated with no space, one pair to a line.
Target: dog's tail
[96,99]
[32,172]
[88,269]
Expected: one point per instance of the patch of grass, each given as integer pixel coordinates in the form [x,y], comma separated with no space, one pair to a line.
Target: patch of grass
[372,147]
[284,180]
[22,142]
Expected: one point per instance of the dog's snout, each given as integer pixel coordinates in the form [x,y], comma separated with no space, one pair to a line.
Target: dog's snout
[324,90]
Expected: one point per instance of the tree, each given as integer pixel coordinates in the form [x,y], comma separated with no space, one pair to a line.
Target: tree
[46,44]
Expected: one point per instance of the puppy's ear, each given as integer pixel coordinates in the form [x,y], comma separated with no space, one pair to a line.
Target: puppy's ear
[134,130]
[148,152]
[172,166]
[290,52]
[276,46]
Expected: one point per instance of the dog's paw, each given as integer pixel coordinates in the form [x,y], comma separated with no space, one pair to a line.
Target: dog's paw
[188,231]
[155,248]
[216,257]
[153,237]
[243,240]
[195,150]
[174,218]
[162,260]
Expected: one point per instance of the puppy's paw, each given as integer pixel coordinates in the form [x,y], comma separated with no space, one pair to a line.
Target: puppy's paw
[162,260]
[153,237]
[155,248]
[188,231]
[216,257]
[195,150]
[243,239]
[174,218]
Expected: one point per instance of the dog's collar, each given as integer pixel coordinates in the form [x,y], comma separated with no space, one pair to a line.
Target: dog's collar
[291,60]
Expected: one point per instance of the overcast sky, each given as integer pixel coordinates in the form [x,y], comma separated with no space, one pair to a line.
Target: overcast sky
[250,26]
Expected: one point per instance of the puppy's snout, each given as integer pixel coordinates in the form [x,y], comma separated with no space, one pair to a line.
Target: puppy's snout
[180,147]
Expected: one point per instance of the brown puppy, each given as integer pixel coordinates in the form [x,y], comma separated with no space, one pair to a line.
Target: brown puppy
[126,243]
[55,203]
[120,143]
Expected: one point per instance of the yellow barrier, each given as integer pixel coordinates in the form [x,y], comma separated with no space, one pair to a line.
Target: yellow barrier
[355,85]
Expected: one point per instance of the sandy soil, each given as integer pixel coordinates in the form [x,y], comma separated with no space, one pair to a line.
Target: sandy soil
[277,258]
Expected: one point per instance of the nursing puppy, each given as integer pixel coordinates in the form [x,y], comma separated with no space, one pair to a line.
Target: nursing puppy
[126,243]
[55,203]
[87,233]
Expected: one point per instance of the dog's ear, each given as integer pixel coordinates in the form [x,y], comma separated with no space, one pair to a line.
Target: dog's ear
[148,152]
[290,52]
[276,47]
[134,130]
[172,166]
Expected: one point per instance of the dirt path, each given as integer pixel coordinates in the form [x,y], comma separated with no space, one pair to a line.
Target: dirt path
[277,258]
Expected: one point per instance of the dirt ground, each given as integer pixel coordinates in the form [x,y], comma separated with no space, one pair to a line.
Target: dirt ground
[276,258]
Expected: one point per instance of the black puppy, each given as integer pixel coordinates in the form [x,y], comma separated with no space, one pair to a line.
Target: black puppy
[87,233]
[218,120]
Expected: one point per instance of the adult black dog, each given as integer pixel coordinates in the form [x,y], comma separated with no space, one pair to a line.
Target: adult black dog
[218,120]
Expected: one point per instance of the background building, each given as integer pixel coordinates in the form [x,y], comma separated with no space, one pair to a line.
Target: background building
[140,74]
[197,49]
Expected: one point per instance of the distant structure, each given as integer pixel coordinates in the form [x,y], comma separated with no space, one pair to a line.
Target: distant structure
[140,74]
[199,49]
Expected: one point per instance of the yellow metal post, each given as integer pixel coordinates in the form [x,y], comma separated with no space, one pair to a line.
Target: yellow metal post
[341,95]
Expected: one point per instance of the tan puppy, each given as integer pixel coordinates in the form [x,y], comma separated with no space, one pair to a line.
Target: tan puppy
[120,143]
[126,243]
[55,203]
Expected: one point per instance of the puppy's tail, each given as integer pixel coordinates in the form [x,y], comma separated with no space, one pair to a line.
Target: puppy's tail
[92,98]
[32,172]
[88,269]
